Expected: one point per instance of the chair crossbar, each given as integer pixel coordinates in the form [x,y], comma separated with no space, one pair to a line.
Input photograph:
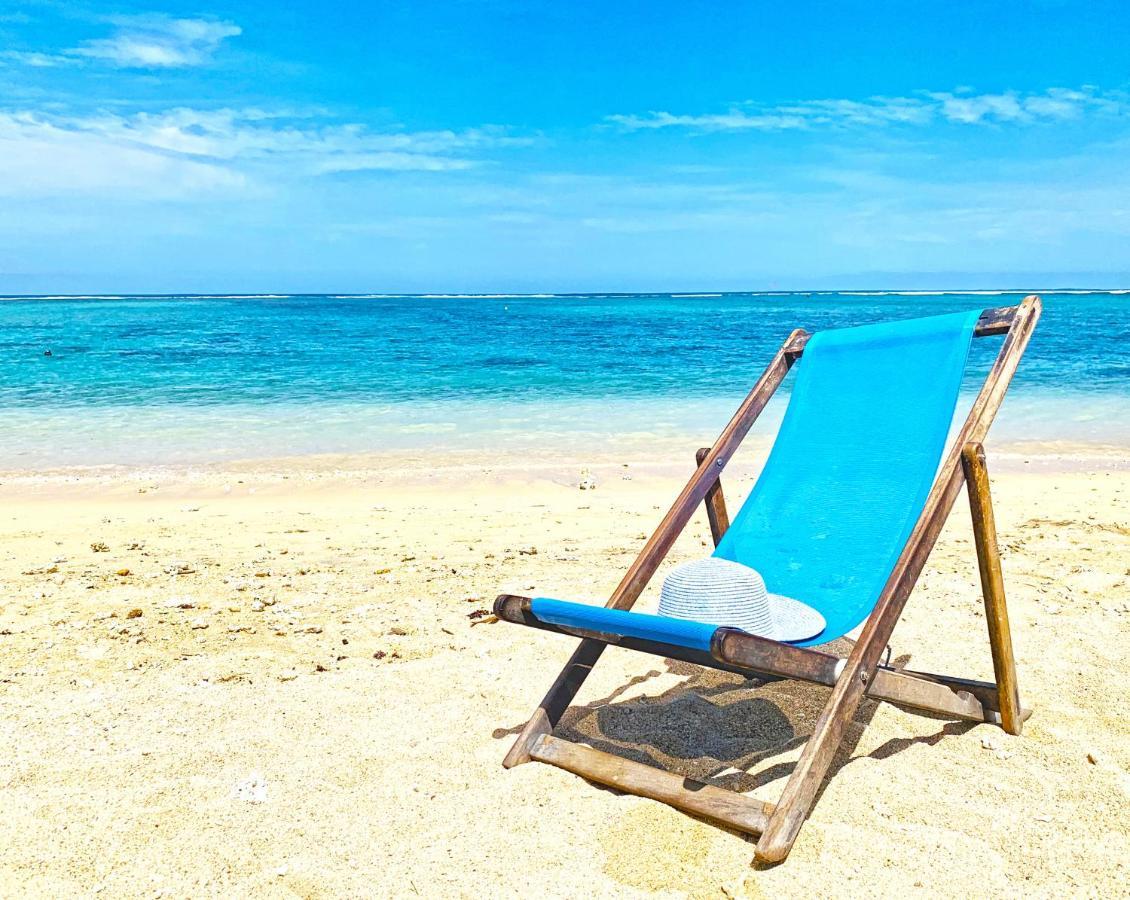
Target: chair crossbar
[717,804]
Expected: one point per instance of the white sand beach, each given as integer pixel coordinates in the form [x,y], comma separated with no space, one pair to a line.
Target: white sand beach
[267,679]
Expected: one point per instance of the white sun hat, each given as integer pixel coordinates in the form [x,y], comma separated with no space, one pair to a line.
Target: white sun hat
[721,592]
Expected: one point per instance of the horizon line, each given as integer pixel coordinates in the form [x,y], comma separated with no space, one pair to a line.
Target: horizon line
[543,295]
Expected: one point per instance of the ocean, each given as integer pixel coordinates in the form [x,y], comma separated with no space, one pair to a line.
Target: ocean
[193,379]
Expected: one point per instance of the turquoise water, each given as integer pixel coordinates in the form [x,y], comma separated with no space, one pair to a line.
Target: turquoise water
[191,379]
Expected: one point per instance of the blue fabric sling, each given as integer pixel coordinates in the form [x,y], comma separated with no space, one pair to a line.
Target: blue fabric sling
[648,627]
[845,482]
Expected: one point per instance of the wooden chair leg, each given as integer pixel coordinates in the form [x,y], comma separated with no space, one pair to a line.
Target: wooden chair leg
[811,769]
[556,701]
[992,585]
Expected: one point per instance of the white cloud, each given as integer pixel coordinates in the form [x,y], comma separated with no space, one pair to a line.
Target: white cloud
[959,107]
[41,158]
[157,41]
[255,135]
[182,151]
[38,60]
[388,161]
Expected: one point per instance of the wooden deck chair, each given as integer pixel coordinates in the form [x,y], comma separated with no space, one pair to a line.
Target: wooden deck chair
[843,517]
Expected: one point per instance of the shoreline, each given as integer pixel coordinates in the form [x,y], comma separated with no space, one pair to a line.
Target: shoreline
[664,458]
[655,428]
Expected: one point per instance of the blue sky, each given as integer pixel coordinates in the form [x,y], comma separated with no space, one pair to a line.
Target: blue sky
[497,146]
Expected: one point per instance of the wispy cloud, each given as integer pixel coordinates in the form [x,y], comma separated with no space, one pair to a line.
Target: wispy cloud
[157,41]
[223,148]
[959,106]
[38,60]
[150,41]
[40,158]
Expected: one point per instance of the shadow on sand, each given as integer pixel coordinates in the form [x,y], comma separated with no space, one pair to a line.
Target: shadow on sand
[718,727]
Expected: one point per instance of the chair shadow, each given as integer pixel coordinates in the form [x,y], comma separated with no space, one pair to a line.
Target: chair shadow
[716,726]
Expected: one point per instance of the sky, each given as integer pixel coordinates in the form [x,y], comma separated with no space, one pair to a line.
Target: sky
[491,146]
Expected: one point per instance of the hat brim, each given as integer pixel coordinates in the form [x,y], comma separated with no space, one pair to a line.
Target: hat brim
[793,620]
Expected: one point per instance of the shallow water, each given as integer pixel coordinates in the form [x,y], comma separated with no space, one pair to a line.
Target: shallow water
[188,379]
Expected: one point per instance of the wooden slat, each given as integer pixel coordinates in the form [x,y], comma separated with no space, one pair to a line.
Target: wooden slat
[564,689]
[925,695]
[714,803]
[975,701]
[985,691]
[992,584]
[800,791]
[996,321]
[961,698]
[715,503]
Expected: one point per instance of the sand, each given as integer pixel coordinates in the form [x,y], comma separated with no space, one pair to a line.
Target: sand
[267,680]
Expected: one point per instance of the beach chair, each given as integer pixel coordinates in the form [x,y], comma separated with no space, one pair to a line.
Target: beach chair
[843,516]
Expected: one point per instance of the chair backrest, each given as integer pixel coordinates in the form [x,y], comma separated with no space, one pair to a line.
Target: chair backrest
[853,463]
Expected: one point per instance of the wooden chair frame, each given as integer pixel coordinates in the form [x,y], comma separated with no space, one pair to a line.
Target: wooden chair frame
[851,679]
